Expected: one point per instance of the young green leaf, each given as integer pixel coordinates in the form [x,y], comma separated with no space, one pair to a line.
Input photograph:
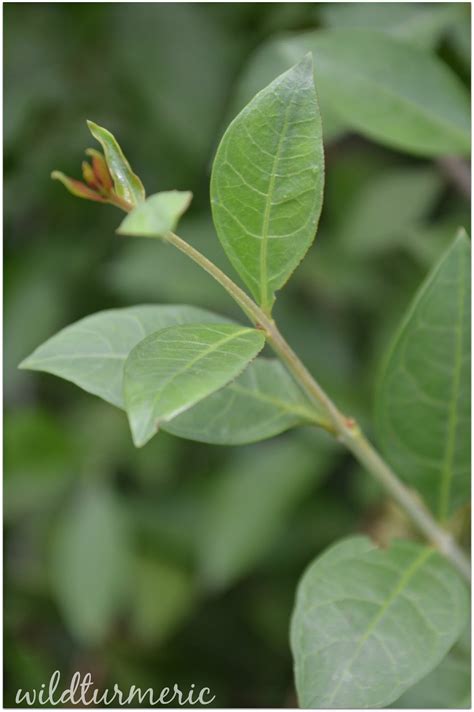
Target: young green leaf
[267,182]
[171,370]
[368,624]
[262,402]
[422,107]
[91,353]
[423,399]
[158,215]
[128,186]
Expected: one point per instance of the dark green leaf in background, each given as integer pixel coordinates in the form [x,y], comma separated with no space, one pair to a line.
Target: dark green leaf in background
[386,208]
[368,624]
[250,503]
[90,566]
[163,594]
[423,398]
[421,108]
[422,24]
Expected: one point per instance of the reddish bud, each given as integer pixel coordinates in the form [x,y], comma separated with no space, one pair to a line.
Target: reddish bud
[88,174]
[100,169]
[78,188]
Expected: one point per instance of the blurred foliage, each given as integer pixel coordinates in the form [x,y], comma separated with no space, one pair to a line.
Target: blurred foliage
[179,562]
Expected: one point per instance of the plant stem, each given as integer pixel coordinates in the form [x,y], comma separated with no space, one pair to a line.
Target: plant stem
[345,429]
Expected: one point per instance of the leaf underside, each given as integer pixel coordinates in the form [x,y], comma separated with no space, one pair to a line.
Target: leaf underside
[92,352]
[423,398]
[262,402]
[368,624]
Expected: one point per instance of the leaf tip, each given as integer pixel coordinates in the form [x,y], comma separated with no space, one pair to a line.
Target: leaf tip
[305,65]
[24,365]
[92,126]
[462,236]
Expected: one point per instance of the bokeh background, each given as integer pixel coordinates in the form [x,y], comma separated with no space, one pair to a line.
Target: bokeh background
[179,562]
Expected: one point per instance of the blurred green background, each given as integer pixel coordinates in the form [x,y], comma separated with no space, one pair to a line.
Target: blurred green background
[179,562]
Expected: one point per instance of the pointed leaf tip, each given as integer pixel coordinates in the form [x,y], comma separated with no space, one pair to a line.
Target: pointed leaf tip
[462,236]
[77,187]
[158,215]
[127,184]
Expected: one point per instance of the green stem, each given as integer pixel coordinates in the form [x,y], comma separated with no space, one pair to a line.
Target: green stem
[345,429]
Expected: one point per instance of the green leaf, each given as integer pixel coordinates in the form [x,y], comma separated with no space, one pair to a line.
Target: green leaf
[262,402]
[368,624]
[90,567]
[172,369]
[91,352]
[448,686]
[127,185]
[268,61]
[250,502]
[423,398]
[267,182]
[422,107]
[158,215]
[384,210]
[421,24]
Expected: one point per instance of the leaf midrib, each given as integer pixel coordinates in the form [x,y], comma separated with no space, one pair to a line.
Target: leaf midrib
[402,583]
[268,209]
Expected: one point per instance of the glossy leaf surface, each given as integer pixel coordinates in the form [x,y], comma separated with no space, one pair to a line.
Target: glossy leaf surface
[91,353]
[172,369]
[267,182]
[369,623]
[423,399]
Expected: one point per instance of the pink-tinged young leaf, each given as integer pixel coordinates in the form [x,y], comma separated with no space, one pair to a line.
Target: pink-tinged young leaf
[100,169]
[78,188]
[88,175]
